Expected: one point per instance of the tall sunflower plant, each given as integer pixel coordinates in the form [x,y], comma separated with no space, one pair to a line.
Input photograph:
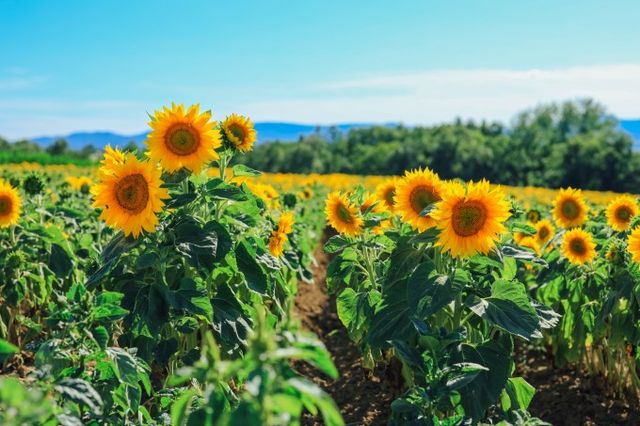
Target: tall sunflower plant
[433,280]
[193,248]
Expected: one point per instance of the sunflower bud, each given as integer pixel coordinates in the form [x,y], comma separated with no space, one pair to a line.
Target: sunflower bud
[33,185]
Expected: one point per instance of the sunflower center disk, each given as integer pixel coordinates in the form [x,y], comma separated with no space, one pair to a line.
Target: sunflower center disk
[543,233]
[237,132]
[468,218]
[343,213]
[132,193]
[570,209]
[623,214]
[421,198]
[182,139]
[388,196]
[577,246]
[5,205]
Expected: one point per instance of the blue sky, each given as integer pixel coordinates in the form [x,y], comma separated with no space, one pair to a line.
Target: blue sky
[102,65]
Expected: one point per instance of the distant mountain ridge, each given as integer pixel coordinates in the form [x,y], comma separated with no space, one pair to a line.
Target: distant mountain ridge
[267,131]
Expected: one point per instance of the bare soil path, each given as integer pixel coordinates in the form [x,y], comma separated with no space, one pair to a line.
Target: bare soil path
[364,397]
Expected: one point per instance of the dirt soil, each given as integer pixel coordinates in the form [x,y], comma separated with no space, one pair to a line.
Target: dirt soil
[567,397]
[364,397]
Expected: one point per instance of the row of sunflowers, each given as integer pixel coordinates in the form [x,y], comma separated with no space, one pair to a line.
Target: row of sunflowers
[157,287]
[449,277]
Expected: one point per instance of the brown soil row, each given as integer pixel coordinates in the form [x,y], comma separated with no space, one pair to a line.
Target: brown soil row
[364,397]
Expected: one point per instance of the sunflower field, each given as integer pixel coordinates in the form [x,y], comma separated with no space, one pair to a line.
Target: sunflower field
[162,288]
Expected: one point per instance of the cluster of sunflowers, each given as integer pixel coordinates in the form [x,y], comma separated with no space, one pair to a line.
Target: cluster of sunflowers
[470,218]
[130,191]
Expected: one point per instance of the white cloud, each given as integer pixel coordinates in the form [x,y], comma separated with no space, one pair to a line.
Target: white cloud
[414,98]
[441,95]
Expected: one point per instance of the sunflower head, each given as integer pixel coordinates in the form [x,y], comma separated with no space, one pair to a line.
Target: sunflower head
[342,215]
[544,231]
[131,196]
[615,252]
[569,209]
[239,132]
[33,184]
[620,212]
[183,138]
[533,216]
[10,205]
[386,192]
[277,242]
[285,224]
[578,246]
[415,192]
[471,220]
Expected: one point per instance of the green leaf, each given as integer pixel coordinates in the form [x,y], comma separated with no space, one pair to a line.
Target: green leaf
[125,366]
[242,170]
[256,278]
[520,393]
[59,261]
[202,245]
[6,350]
[181,408]
[484,390]
[220,190]
[509,308]
[101,335]
[335,244]
[461,374]
[406,302]
[81,392]
[180,200]
[192,297]
[230,322]
[524,228]
[330,413]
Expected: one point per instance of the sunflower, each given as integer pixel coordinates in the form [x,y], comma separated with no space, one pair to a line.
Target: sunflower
[620,212]
[285,224]
[544,231]
[470,220]
[131,196]
[277,242]
[578,246]
[182,138]
[10,205]
[342,215]
[386,192]
[416,191]
[634,244]
[79,183]
[533,216]
[239,131]
[569,209]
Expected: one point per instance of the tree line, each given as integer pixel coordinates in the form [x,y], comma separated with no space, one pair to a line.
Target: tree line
[556,145]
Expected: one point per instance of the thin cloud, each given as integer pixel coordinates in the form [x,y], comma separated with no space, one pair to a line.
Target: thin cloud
[426,97]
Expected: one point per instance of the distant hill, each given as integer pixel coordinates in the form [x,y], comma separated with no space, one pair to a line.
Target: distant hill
[633,128]
[267,131]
